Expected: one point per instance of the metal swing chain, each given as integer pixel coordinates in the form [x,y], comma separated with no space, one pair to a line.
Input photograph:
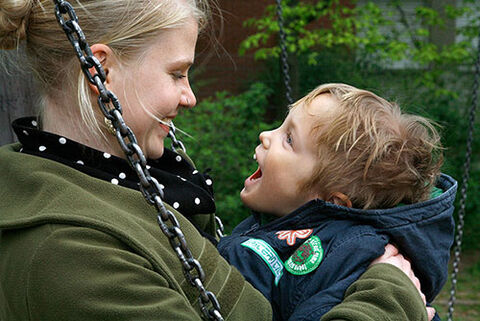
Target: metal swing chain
[175,142]
[148,185]
[284,54]
[178,144]
[463,191]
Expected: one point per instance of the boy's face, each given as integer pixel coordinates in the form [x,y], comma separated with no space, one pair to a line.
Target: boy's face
[286,157]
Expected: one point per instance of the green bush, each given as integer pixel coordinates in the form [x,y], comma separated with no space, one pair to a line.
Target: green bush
[224,133]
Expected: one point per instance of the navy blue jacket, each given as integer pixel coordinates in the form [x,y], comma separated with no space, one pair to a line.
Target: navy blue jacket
[350,240]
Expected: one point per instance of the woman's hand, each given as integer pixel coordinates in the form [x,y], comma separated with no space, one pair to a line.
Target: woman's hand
[392,256]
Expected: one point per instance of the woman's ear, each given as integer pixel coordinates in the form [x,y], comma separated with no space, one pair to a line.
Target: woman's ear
[106,57]
[339,199]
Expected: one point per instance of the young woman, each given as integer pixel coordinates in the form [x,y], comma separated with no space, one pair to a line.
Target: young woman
[77,239]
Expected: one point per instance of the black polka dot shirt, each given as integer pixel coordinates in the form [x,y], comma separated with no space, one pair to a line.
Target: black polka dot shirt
[184,187]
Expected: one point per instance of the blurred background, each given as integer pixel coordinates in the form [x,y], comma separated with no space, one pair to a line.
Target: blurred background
[420,54]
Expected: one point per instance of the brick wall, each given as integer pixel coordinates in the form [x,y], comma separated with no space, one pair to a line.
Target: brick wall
[225,70]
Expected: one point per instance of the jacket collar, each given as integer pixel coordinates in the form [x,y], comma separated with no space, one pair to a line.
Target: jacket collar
[317,211]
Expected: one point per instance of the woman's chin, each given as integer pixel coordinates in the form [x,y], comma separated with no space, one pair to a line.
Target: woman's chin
[155,151]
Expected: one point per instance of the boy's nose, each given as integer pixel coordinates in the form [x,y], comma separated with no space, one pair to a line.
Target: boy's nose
[265,139]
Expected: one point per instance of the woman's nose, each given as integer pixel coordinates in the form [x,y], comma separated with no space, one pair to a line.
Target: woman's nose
[265,139]
[188,99]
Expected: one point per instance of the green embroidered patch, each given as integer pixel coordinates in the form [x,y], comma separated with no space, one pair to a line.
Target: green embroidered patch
[268,254]
[306,258]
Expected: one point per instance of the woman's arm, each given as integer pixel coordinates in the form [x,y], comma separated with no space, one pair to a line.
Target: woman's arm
[79,273]
[388,291]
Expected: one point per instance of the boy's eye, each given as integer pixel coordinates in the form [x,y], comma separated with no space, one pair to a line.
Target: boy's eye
[289,139]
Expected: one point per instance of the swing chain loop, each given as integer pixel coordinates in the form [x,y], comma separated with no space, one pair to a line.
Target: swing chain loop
[175,142]
[221,228]
[200,275]
[61,8]
[149,186]
[463,190]
[148,190]
[284,53]
[213,313]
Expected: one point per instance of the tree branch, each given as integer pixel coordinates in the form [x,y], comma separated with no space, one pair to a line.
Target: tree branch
[404,21]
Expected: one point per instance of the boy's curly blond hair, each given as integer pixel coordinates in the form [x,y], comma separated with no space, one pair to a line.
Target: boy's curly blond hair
[371,151]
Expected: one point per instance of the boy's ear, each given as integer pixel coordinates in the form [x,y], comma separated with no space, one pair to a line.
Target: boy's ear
[339,199]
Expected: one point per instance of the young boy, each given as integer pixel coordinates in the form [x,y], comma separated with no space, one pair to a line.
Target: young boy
[346,173]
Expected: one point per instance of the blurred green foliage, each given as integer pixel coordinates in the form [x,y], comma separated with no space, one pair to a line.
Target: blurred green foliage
[437,85]
[379,34]
[223,132]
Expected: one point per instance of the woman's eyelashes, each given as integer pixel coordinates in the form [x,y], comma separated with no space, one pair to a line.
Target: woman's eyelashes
[178,75]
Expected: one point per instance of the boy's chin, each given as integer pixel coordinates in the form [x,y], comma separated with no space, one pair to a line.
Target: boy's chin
[254,206]
[246,200]
[243,197]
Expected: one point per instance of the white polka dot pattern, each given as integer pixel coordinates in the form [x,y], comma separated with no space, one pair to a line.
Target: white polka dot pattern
[184,187]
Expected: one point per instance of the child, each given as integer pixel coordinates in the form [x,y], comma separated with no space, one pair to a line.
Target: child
[346,173]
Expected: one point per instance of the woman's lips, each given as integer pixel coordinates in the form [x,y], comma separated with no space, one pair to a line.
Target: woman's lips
[166,128]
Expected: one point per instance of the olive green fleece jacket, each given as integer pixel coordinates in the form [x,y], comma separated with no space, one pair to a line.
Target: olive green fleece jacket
[73,247]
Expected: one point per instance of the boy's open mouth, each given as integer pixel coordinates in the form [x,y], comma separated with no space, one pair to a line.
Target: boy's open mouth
[256,175]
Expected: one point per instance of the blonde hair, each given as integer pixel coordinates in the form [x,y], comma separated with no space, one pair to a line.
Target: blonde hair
[126,26]
[371,151]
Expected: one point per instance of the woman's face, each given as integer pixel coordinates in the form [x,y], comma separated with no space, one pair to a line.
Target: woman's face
[157,84]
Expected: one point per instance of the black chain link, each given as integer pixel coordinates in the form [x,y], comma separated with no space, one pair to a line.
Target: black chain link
[463,190]
[220,229]
[175,142]
[148,185]
[284,54]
